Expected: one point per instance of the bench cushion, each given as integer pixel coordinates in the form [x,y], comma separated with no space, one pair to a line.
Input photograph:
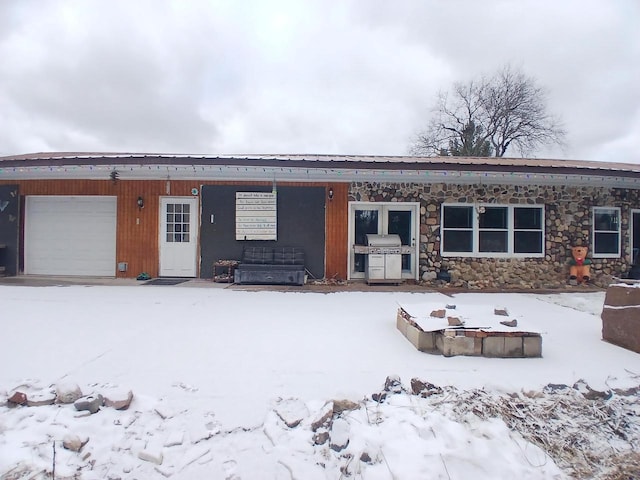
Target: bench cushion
[257,255]
[288,256]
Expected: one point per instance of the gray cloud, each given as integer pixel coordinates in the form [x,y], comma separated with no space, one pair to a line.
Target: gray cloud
[342,77]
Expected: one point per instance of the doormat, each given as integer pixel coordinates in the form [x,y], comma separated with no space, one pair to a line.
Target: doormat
[166,281]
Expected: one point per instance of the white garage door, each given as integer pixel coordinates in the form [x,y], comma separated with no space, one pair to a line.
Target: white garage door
[70,235]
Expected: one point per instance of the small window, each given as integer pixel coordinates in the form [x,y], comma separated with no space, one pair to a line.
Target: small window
[493,230]
[458,228]
[527,234]
[606,232]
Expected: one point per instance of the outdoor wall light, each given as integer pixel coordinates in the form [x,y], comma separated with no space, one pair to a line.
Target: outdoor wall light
[330,193]
[140,202]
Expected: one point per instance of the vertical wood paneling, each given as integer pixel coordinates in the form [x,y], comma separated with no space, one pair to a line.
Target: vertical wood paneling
[137,235]
[337,232]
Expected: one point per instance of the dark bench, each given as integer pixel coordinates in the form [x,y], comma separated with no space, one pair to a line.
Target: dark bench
[271,266]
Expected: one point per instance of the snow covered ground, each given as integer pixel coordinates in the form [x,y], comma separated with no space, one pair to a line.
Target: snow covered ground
[239,385]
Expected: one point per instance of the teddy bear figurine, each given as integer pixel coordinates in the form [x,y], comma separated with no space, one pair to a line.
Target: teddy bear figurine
[579,266]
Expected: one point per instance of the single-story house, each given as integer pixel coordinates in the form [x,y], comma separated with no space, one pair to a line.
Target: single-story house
[483,222]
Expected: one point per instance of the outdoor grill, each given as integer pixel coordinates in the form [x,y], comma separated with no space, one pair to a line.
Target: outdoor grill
[384,259]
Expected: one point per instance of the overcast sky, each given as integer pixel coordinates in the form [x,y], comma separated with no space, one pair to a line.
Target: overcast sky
[297,76]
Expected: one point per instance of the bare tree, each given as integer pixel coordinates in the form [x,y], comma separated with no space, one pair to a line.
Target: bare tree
[484,118]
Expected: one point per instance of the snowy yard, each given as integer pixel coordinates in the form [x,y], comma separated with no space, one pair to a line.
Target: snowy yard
[238,385]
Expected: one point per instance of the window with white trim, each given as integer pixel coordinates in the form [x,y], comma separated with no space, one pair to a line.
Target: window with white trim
[492,230]
[606,232]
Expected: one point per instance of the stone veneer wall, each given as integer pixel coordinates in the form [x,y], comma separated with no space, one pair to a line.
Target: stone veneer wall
[567,215]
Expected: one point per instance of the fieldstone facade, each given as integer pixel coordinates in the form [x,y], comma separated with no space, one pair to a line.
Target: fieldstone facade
[568,214]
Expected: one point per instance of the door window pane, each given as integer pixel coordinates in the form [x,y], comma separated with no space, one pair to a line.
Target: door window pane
[177,224]
[400,224]
[366,221]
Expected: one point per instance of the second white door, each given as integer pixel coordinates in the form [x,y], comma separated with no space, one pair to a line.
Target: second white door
[178,236]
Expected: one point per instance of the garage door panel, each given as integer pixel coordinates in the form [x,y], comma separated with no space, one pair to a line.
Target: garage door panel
[70,235]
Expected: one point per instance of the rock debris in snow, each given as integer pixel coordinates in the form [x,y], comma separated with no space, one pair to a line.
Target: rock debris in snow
[426,430]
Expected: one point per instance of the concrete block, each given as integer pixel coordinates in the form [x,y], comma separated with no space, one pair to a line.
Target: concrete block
[622,296]
[401,324]
[621,326]
[513,347]
[413,335]
[427,342]
[458,345]
[493,347]
[477,346]
[532,346]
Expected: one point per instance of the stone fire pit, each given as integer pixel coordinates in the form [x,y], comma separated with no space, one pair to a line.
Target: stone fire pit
[449,332]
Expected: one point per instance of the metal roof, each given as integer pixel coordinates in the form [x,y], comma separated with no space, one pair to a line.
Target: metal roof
[302,167]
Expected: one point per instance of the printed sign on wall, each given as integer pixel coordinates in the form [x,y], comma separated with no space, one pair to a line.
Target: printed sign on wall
[256,216]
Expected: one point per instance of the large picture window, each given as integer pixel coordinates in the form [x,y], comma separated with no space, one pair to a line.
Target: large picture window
[606,232]
[492,230]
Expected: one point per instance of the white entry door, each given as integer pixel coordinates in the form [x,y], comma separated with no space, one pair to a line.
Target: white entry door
[397,218]
[178,236]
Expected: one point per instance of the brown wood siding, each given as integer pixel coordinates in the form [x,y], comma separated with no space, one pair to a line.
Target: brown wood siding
[337,229]
[137,234]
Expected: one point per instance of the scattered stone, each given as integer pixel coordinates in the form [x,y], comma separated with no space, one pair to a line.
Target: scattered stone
[424,389]
[379,397]
[554,387]
[438,313]
[74,442]
[151,455]
[67,392]
[450,306]
[510,323]
[340,406]
[627,391]
[532,394]
[323,418]
[366,458]
[120,400]
[320,438]
[163,411]
[292,412]
[339,437]
[175,438]
[39,399]
[393,384]
[454,322]
[91,403]
[17,398]
[591,394]
[501,312]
